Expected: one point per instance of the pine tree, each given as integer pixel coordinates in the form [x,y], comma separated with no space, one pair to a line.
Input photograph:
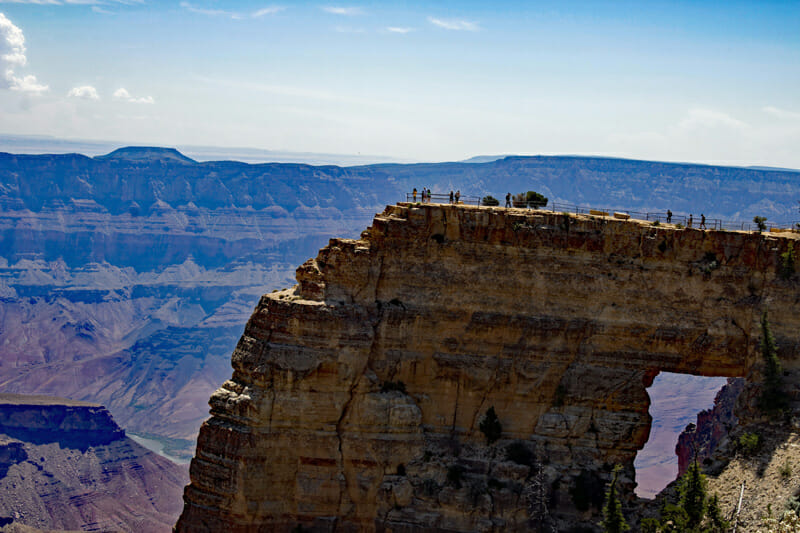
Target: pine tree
[491,426]
[717,524]
[613,519]
[692,492]
[772,398]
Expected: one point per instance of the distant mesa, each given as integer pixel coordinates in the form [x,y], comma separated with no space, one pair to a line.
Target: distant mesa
[147,153]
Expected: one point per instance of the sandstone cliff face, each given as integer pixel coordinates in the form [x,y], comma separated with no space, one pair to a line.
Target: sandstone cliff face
[559,322]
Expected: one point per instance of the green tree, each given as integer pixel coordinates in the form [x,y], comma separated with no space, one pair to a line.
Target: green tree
[716,523]
[490,200]
[788,262]
[772,398]
[692,491]
[613,519]
[490,426]
[761,222]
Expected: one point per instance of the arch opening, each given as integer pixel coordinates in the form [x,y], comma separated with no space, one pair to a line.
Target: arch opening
[675,401]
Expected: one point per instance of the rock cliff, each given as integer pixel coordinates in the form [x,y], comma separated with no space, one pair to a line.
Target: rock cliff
[66,465]
[357,395]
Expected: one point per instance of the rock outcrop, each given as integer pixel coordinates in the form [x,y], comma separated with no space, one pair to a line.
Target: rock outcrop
[701,439]
[357,395]
[66,465]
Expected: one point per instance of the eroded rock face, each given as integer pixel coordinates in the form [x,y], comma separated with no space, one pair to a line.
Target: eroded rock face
[559,322]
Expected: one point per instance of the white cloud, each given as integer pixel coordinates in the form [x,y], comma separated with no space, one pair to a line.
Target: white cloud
[72,2]
[102,11]
[347,11]
[123,94]
[235,15]
[395,29]
[708,118]
[454,24]
[12,55]
[86,92]
[781,113]
[267,11]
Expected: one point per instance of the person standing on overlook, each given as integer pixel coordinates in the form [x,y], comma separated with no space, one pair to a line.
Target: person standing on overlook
[451,196]
[414,194]
[458,195]
[508,199]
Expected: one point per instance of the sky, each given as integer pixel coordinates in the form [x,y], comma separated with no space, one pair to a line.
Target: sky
[701,81]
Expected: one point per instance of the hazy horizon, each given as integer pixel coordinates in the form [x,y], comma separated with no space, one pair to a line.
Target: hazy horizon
[711,83]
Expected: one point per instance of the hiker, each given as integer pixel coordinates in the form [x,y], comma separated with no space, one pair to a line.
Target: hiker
[451,196]
[702,221]
[508,199]
[414,194]
[458,195]
[689,223]
[669,216]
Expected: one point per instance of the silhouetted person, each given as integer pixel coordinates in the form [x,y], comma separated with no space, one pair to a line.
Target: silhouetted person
[451,197]
[414,194]
[508,200]
[689,223]
[669,216]
[458,195]
[702,221]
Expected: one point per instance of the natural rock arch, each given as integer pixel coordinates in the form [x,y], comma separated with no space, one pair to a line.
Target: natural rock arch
[558,321]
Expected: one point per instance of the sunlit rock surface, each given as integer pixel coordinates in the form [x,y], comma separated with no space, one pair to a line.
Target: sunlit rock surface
[559,322]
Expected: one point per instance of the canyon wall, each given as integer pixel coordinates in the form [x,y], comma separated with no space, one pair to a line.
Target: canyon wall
[66,465]
[357,395]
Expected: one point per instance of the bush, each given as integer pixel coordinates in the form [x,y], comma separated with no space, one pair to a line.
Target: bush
[455,474]
[587,491]
[749,443]
[490,201]
[656,223]
[491,426]
[389,386]
[761,223]
[530,199]
[518,452]
[785,470]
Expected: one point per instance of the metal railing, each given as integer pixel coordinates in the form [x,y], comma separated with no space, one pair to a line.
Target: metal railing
[688,221]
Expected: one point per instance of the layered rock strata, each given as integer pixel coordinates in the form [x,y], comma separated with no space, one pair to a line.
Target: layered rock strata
[357,396]
[66,465]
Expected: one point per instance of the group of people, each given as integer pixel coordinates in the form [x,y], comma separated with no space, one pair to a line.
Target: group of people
[689,221]
[425,195]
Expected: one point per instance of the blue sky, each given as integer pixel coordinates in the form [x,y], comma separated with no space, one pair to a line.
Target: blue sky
[715,82]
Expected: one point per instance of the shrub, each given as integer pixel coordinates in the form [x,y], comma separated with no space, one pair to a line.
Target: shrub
[455,474]
[788,262]
[518,452]
[761,223]
[530,199]
[656,223]
[785,470]
[749,443]
[490,200]
[587,491]
[389,386]
[491,426]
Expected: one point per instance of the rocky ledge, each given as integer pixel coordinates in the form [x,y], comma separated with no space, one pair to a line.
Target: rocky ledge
[357,396]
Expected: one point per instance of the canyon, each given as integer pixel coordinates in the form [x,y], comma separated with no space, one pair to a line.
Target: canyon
[358,395]
[66,465]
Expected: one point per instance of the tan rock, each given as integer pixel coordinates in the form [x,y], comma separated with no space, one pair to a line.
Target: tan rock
[559,322]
